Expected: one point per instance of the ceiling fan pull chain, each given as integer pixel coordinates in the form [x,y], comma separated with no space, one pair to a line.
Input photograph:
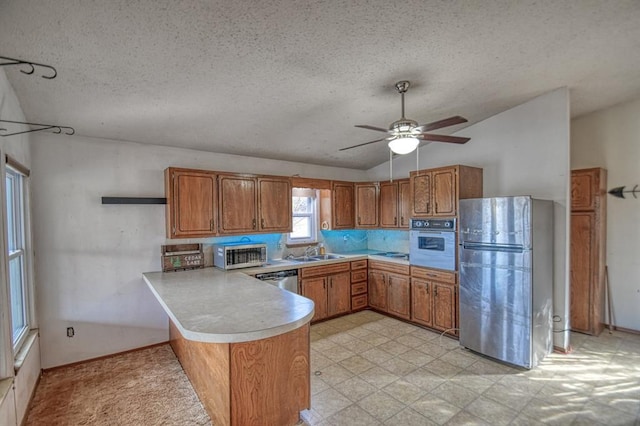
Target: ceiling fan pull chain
[418,158]
[390,165]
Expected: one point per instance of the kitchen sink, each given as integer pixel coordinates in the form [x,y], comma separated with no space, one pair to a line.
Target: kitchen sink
[392,254]
[327,256]
[305,259]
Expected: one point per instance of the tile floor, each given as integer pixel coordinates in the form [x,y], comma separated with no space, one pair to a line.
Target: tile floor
[369,369]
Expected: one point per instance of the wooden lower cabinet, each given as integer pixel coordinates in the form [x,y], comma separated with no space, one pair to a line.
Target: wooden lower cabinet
[434,299]
[389,288]
[329,287]
[359,285]
[264,381]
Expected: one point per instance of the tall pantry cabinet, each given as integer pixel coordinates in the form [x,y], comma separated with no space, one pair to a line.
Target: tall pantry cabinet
[588,249]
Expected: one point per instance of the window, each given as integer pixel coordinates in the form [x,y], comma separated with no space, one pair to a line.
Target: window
[18,288]
[305,217]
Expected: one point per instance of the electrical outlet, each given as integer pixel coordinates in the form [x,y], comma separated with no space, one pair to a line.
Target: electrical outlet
[279,246]
[345,238]
[70,332]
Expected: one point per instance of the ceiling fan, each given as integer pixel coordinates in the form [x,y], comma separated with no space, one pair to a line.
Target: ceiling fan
[405,134]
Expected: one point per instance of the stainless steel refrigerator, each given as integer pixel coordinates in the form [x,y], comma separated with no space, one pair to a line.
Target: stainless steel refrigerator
[506,278]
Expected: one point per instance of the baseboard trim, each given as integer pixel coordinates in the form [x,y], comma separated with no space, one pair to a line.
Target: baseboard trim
[46,370]
[33,394]
[563,350]
[626,330]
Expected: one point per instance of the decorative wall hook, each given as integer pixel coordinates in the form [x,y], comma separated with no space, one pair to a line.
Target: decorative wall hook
[31,66]
[56,129]
[619,191]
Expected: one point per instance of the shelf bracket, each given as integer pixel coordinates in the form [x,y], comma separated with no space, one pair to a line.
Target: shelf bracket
[31,66]
[56,128]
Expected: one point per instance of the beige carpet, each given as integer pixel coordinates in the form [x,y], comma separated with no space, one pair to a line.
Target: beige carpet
[145,387]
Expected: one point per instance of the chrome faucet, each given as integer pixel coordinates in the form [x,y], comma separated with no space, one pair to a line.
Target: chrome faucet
[310,251]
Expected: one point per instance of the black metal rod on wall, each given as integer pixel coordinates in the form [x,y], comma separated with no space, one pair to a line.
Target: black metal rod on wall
[133,200]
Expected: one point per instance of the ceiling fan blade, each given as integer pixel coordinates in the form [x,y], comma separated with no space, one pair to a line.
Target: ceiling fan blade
[362,144]
[443,138]
[442,123]
[378,129]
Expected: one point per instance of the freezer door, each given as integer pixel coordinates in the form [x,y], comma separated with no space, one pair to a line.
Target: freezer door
[500,220]
[496,303]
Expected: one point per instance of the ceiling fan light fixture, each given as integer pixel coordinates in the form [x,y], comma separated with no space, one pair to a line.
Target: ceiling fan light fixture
[403,144]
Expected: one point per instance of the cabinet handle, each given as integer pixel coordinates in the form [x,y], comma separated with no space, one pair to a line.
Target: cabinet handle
[331,282]
[436,211]
[211,225]
[254,224]
[427,206]
[262,222]
[358,220]
[432,275]
[401,220]
[395,220]
[435,291]
[426,289]
[324,285]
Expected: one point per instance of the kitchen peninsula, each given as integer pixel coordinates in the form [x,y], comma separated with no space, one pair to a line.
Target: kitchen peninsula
[244,344]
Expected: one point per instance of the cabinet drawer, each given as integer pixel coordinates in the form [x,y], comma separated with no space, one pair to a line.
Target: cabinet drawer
[433,274]
[358,288]
[333,268]
[357,276]
[359,302]
[389,267]
[359,264]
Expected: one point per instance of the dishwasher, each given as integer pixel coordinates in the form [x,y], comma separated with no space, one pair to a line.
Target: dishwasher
[286,280]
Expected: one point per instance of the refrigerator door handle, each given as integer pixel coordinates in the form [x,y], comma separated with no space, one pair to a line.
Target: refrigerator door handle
[492,247]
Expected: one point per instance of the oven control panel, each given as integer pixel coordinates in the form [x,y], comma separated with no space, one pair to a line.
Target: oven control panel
[438,224]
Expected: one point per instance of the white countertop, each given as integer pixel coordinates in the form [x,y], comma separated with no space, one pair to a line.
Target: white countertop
[211,305]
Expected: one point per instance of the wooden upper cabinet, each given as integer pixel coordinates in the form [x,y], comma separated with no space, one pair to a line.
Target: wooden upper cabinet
[389,204]
[444,192]
[436,192]
[342,205]
[395,204]
[191,203]
[238,204]
[274,202]
[254,204]
[586,189]
[366,205]
[404,203]
[421,194]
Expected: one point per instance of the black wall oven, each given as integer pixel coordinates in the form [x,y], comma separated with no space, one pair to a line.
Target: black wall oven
[432,243]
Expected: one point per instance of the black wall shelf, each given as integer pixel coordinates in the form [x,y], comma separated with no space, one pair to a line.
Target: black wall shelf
[133,200]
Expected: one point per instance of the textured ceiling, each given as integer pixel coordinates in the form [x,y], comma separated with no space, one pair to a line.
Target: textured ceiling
[289,79]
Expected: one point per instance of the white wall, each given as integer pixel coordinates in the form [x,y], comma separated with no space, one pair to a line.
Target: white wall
[24,383]
[522,151]
[90,256]
[611,139]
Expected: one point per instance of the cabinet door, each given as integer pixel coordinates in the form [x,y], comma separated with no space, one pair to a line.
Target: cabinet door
[366,205]
[404,203]
[316,290]
[343,206]
[237,204]
[378,290]
[389,204]
[421,302]
[339,293]
[444,306]
[584,187]
[421,194]
[274,201]
[444,192]
[398,300]
[191,203]
[582,275]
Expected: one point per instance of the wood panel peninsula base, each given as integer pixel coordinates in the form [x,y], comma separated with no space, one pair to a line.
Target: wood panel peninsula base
[260,382]
[243,343]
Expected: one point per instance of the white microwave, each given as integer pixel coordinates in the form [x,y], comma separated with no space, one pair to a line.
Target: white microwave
[239,255]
